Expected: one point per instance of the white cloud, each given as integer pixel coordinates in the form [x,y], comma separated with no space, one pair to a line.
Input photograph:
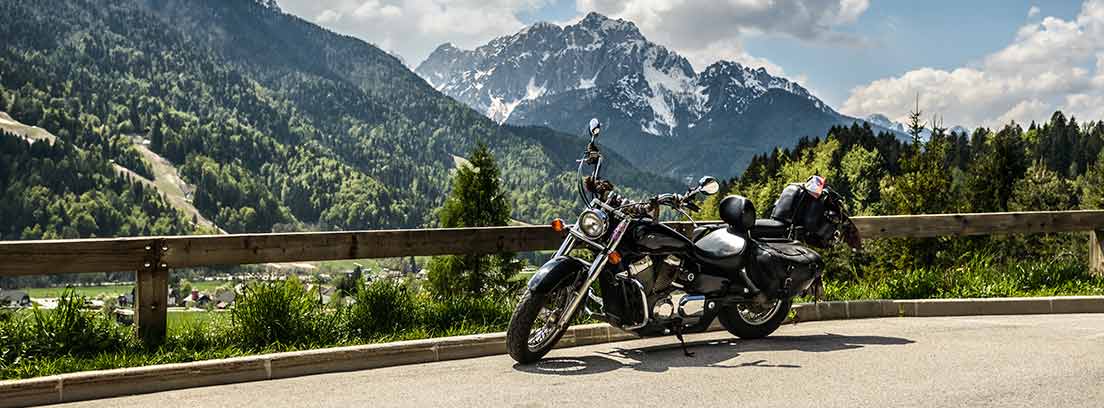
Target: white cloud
[373,9]
[709,31]
[1098,80]
[704,32]
[1090,106]
[728,51]
[1052,64]
[1033,11]
[413,28]
[327,16]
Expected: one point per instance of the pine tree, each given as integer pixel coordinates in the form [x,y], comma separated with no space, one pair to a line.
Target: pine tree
[915,125]
[1092,185]
[157,138]
[476,200]
[996,168]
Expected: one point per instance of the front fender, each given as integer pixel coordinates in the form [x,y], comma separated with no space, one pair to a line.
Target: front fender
[556,272]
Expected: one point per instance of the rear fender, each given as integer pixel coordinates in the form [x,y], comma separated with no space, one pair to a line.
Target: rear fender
[559,271]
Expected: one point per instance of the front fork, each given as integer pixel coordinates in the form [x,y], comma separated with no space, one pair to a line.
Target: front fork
[595,266]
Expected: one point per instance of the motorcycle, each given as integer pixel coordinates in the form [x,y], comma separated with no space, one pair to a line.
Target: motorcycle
[620,264]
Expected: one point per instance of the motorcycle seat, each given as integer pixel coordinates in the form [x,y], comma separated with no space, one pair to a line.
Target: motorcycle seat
[703,230]
[721,248]
[770,228]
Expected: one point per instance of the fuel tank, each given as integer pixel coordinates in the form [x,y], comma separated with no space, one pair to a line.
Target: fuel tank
[650,238]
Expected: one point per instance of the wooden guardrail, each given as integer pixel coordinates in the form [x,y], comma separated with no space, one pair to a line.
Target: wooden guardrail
[153,257]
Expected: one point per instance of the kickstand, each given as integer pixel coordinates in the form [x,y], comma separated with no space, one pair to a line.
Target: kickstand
[678,335]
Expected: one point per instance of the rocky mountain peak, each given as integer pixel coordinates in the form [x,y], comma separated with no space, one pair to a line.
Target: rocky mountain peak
[269,4]
[600,23]
[605,58]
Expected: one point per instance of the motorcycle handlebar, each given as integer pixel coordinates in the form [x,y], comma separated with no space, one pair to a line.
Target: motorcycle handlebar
[672,200]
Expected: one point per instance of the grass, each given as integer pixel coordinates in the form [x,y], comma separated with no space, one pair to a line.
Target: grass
[209,286]
[179,319]
[974,276]
[269,317]
[85,291]
[282,316]
[109,289]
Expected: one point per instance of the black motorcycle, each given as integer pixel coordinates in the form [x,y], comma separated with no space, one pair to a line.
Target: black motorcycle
[620,265]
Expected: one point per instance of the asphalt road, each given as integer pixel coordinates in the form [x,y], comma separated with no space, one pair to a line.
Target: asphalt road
[1005,361]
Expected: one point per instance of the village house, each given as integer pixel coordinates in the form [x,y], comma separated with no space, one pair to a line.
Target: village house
[14,298]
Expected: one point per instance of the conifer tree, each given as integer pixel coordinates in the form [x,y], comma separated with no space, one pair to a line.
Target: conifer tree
[915,125]
[476,200]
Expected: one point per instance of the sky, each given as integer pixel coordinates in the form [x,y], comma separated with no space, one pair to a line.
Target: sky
[972,62]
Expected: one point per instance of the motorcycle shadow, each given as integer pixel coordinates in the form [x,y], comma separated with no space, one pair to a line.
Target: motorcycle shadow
[707,353]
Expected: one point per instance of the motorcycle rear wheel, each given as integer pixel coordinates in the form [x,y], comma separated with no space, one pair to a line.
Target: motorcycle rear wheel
[532,332]
[745,323]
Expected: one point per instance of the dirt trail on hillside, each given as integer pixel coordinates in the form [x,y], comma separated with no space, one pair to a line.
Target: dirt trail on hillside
[166,179]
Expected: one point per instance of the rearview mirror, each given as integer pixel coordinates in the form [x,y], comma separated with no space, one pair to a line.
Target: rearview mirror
[595,127]
[709,185]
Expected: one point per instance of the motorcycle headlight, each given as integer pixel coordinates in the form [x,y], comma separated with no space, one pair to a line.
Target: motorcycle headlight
[593,223]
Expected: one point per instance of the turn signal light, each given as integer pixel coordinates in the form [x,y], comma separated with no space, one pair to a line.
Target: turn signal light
[557,225]
[615,257]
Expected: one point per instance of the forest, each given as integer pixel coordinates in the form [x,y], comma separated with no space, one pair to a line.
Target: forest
[280,124]
[57,191]
[1056,165]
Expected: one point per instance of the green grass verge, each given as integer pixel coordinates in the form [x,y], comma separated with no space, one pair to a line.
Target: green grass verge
[283,316]
[179,319]
[85,291]
[269,317]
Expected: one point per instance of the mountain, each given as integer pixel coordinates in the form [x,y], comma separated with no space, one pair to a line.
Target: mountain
[278,123]
[882,121]
[649,97]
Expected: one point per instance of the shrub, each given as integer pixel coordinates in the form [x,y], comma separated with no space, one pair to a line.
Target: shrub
[974,275]
[466,314]
[66,330]
[277,314]
[381,308]
[199,335]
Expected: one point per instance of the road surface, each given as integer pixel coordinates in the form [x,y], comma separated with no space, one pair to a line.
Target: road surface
[1006,361]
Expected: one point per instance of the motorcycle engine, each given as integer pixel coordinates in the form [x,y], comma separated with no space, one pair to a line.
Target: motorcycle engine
[660,277]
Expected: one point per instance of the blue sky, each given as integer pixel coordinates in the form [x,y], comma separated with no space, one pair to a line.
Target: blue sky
[943,34]
[975,62]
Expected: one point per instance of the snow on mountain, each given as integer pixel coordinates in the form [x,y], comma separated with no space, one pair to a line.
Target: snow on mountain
[269,4]
[544,60]
[881,120]
[649,97]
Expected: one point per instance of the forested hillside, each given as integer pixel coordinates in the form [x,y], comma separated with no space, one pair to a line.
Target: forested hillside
[280,124]
[1058,165]
[56,191]
[1043,167]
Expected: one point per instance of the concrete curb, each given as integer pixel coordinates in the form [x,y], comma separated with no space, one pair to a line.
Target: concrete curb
[140,380]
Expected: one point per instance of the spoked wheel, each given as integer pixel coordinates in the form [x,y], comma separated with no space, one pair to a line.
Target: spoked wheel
[755,321]
[533,330]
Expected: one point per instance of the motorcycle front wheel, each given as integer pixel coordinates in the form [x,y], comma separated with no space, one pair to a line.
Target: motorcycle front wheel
[754,321]
[533,330]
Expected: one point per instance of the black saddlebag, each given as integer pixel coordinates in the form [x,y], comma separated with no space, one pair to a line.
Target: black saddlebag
[798,207]
[784,269]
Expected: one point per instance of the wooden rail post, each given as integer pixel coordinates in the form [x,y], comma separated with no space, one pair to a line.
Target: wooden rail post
[150,309]
[1096,252]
